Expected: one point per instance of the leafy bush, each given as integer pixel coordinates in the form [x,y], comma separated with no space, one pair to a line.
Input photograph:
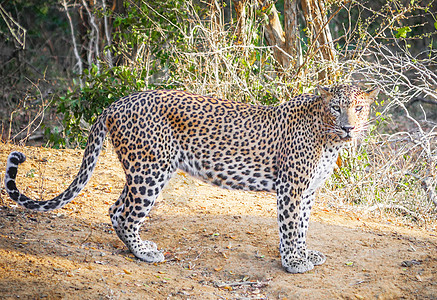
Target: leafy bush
[81,107]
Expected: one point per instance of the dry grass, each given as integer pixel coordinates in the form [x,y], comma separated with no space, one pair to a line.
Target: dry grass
[387,176]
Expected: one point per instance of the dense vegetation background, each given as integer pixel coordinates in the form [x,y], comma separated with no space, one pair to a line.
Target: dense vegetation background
[63,62]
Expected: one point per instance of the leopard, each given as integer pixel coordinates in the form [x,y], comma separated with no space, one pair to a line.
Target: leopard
[289,149]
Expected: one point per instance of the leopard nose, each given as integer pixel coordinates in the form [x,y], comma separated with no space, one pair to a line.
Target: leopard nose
[348,128]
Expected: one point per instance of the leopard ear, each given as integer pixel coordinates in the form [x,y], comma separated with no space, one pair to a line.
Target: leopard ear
[373,94]
[325,93]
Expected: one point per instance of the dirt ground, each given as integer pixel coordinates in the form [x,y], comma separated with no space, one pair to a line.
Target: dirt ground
[218,244]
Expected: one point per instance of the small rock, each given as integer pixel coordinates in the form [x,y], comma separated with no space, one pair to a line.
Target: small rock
[410,263]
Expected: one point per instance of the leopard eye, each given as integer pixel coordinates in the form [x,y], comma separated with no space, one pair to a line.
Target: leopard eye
[358,108]
[336,108]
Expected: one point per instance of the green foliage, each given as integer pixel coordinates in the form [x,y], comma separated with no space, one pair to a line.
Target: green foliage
[56,136]
[402,32]
[99,91]
[152,27]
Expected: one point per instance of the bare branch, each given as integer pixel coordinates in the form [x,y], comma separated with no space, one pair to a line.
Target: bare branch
[94,37]
[107,34]
[73,38]
[19,34]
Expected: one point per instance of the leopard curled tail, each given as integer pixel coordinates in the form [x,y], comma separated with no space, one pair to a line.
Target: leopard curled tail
[89,161]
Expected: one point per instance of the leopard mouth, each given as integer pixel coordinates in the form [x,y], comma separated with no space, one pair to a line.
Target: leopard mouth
[346,136]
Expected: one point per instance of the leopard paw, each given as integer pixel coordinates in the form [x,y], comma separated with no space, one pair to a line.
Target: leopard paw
[146,251]
[152,256]
[316,257]
[149,245]
[300,265]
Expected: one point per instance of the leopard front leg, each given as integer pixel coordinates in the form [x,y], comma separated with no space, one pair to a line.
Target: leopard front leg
[316,257]
[291,241]
[127,214]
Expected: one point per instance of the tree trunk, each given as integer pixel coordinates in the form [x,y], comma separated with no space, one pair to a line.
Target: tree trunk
[241,17]
[287,38]
[292,37]
[274,34]
[320,38]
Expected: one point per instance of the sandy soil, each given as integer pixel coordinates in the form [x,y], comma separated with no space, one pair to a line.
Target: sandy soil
[218,244]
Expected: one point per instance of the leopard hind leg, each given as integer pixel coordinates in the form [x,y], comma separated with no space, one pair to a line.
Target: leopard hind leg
[129,212]
[114,212]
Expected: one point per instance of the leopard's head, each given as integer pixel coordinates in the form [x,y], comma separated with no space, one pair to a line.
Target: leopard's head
[347,110]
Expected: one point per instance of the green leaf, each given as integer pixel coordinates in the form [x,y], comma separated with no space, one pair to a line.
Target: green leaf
[402,32]
[435,25]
